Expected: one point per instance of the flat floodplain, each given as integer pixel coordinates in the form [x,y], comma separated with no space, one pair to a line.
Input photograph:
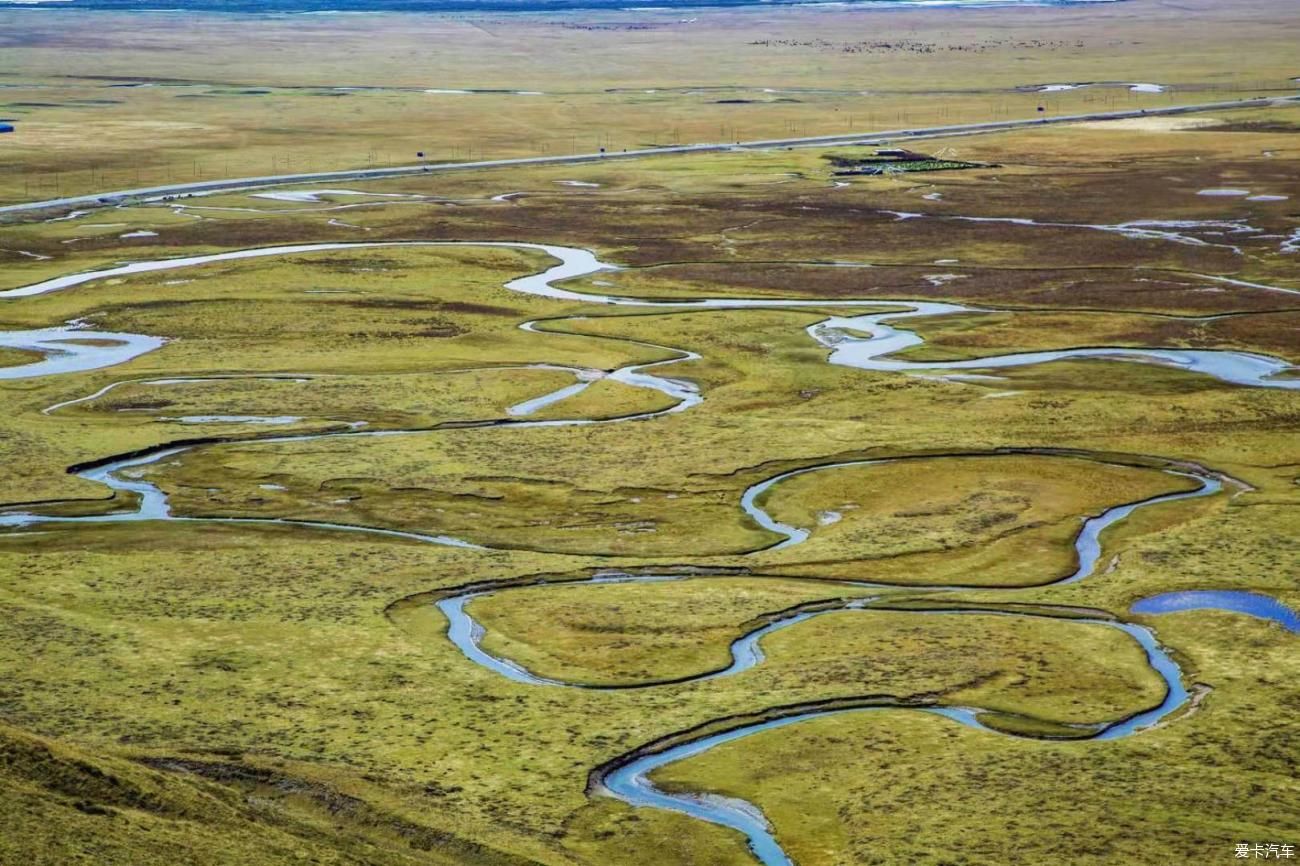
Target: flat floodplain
[432,531]
[104,100]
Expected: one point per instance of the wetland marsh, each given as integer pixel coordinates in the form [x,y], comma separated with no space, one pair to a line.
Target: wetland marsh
[693,509]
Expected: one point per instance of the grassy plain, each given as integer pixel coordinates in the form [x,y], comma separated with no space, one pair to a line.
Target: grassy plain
[259,693]
[115,101]
[967,520]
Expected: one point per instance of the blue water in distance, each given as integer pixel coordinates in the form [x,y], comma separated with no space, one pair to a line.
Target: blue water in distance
[354,6]
[1250,603]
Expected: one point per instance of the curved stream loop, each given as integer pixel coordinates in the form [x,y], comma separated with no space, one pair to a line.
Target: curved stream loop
[863,341]
[467,633]
[1087,544]
[72,350]
[123,474]
[628,778]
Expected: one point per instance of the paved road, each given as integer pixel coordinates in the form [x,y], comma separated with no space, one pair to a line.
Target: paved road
[210,186]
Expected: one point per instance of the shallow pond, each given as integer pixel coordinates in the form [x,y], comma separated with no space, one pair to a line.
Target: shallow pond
[1235,601]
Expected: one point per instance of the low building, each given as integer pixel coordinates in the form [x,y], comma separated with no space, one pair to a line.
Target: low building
[900,153]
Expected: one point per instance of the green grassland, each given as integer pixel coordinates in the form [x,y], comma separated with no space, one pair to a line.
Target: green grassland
[117,101]
[588,633]
[14,357]
[264,693]
[991,520]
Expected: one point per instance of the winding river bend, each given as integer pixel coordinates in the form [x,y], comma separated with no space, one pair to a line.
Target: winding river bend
[1087,544]
[869,353]
[122,474]
[72,350]
[862,341]
[628,778]
[1253,604]
[882,340]
[467,633]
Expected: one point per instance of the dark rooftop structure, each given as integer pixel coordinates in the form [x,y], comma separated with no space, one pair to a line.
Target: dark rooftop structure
[900,153]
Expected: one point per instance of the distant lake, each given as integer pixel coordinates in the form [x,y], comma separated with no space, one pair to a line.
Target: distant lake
[337,7]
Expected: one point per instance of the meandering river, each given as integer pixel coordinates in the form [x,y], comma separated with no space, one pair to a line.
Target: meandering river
[865,341]
[628,778]
[838,333]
